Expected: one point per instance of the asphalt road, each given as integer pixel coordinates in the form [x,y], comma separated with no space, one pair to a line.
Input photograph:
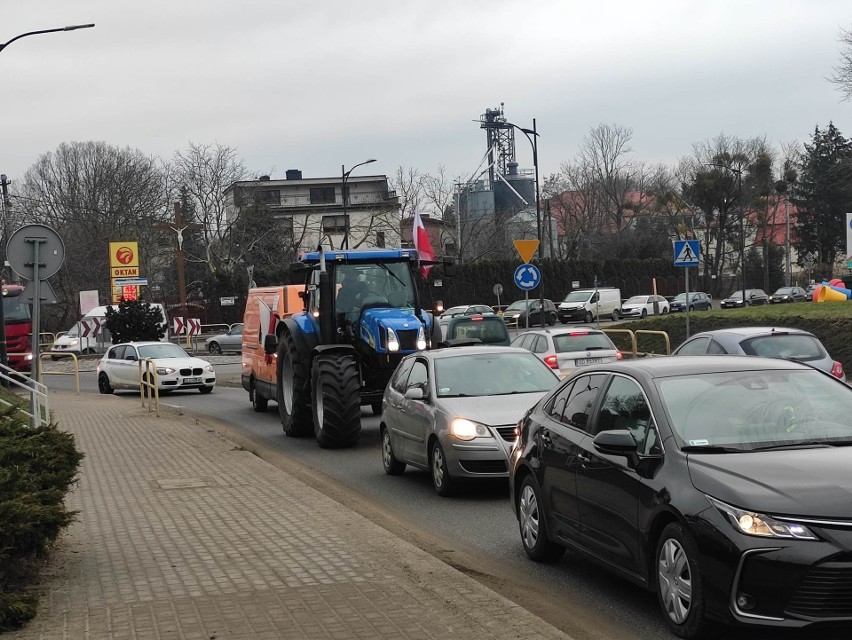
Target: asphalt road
[475,531]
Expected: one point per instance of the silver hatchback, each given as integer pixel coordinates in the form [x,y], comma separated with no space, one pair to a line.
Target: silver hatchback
[567,349]
[453,411]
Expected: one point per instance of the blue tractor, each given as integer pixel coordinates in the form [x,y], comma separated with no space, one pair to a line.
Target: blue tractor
[362,315]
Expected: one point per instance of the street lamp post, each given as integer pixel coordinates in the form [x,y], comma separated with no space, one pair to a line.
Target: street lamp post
[71,27]
[532,136]
[345,177]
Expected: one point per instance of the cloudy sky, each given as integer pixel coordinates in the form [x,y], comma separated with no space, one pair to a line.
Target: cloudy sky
[314,85]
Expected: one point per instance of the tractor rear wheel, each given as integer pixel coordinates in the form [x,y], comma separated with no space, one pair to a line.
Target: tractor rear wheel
[336,396]
[294,396]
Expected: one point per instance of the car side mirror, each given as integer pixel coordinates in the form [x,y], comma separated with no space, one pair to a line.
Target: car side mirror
[414,393]
[130,358]
[618,442]
[270,344]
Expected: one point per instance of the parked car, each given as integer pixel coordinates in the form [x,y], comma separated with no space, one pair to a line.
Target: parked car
[517,313]
[231,340]
[788,294]
[487,327]
[588,304]
[770,342]
[466,310]
[176,369]
[720,483]
[753,297]
[642,306]
[698,300]
[566,349]
[809,292]
[454,411]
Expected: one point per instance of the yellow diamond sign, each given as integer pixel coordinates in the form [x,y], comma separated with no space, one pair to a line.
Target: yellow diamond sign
[526,248]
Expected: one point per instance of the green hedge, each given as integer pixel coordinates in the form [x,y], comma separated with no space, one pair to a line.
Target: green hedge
[830,322]
[37,467]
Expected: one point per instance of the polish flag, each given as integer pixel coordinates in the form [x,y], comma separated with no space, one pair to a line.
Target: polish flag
[422,244]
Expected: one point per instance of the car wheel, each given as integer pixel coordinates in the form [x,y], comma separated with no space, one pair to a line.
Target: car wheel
[665,311]
[205,390]
[615,315]
[564,321]
[393,467]
[441,480]
[214,348]
[531,523]
[551,321]
[680,590]
[644,313]
[589,317]
[258,402]
[692,307]
[103,384]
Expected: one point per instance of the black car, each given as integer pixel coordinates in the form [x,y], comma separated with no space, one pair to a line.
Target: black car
[722,483]
[523,312]
[697,300]
[753,297]
[788,294]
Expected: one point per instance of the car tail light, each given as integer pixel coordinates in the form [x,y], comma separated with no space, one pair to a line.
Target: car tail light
[551,361]
[581,332]
[476,318]
[619,355]
[837,369]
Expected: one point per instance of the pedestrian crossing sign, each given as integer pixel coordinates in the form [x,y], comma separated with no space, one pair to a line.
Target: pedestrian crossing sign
[686,253]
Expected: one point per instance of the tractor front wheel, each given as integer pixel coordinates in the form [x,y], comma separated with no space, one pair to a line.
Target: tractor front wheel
[336,396]
[294,397]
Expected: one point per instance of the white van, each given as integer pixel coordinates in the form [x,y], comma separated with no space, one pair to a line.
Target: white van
[72,341]
[589,304]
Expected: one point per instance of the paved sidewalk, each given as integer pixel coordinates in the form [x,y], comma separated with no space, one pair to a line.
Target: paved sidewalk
[183,535]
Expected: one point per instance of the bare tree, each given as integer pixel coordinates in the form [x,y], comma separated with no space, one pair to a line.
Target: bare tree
[408,184]
[843,72]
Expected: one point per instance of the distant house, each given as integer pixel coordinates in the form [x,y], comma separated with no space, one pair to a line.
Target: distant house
[440,237]
[311,210]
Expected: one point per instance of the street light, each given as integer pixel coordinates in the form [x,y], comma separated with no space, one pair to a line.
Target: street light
[739,173]
[343,197]
[72,27]
[532,136]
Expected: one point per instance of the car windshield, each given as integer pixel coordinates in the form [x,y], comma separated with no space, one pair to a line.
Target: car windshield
[162,350]
[681,297]
[791,346]
[738,295]
[578,296]
[519,305]
[491,374]
[750,410]
[453,310]
[637,300]
[783,291]
[581,341]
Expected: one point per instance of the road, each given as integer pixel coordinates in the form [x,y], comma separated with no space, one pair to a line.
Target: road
[475,531]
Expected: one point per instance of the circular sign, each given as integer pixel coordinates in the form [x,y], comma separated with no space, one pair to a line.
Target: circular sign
[527,277]
[498,289]
[124,255]
[20,251]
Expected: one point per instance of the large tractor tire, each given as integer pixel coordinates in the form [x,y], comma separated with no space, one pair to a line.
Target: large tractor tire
[294,397]
[336,396]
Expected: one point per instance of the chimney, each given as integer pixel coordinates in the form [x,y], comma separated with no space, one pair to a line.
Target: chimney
[264,178]
[294,174]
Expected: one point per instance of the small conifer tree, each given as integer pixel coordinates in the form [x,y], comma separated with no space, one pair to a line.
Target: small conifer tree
[135,320]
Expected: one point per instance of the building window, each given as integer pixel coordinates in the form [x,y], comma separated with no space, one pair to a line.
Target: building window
[380,239]
[322,195]
[271,197]
[334,224]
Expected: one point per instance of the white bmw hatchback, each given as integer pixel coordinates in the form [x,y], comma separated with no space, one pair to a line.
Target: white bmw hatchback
[176,369]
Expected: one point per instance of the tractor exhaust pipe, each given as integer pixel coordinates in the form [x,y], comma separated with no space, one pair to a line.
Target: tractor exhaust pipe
[327,311]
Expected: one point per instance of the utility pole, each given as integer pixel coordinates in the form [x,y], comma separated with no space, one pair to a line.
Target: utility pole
[4,355]
[179,227]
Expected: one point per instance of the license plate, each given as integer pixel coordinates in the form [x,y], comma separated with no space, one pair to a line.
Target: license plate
[192,380]
[583,361]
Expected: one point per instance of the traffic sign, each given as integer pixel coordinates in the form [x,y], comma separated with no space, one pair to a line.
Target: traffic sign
[193,326]
[226,301]
[90,327]
[498,289]
[51,252]
[527,277]
[131,282]
[525,248]
[178,325]
[686,253]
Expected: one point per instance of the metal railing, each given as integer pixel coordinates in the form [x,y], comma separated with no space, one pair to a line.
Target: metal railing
[634,341]
[75,373]
[39,413]
[149,385]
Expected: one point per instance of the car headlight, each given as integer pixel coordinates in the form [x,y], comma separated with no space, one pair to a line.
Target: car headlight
[421,339]
[209,368]
[761,525]
[164,371]
[72,343]
[465,429]
[393,340]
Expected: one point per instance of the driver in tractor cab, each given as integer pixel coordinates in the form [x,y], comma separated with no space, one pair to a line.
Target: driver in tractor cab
[349,297]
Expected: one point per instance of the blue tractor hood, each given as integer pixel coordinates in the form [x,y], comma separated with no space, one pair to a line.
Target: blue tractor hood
[376,322]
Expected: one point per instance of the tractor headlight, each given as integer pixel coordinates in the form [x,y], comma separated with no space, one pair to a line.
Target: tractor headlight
[393,340]
[421,339]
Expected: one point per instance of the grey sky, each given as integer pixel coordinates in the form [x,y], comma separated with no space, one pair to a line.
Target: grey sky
[313,85]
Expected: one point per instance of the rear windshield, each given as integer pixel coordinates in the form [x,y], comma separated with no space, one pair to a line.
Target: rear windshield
[789,347]
[489,329]
[567,342]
